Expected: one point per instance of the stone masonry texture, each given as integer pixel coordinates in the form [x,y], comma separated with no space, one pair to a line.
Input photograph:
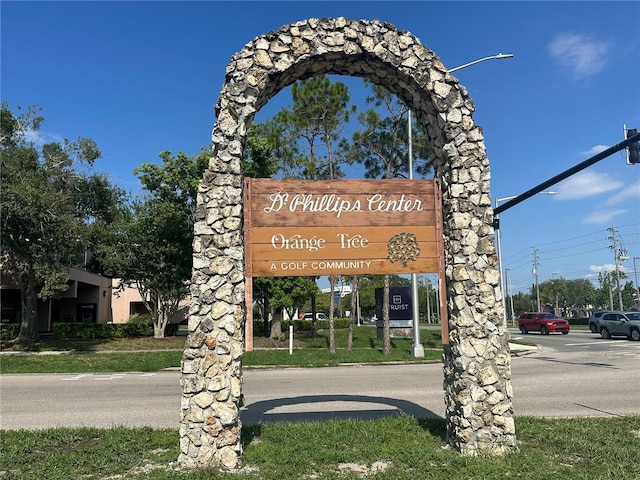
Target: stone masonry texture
[477,363]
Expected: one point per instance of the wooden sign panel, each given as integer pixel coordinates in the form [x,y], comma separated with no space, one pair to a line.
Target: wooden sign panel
[340,227]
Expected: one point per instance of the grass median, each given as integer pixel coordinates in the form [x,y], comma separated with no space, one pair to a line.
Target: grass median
[392,448]
[149,354]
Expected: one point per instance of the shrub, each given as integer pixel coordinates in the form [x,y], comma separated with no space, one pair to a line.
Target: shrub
[9,331]
[578,321]
[93,331]
[140,319]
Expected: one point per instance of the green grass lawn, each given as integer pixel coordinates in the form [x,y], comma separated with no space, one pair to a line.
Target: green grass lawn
[394,448]
[149,354]
[398,448]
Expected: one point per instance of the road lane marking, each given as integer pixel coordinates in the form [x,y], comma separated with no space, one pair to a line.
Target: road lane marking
[109,376]
[113,376]
[612,344]
[77,377]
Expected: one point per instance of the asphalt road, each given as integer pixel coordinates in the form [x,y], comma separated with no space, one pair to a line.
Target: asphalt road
[569,375]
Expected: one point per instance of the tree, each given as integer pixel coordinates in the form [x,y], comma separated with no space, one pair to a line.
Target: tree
[580,294]
[260,160]
[383,148]
[522,302]
[281,293]
[607,294]
[604,297]
[354,310]
[284,294]
[154,249]
[367,285]
[552,292]
[51,210]
[311,126]
[310,129]
[629,296]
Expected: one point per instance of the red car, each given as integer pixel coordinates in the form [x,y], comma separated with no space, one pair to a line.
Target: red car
[542,322]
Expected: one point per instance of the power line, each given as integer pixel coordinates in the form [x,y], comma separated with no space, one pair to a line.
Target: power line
[570,254]
[567,248]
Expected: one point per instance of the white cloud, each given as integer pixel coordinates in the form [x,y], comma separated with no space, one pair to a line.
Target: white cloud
[603,217]
[586,184]
[582,55]
[594,150]
[629,194]
[607,267]
[39,138]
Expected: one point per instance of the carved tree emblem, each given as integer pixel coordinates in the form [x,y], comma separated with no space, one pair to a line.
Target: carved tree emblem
[403,248]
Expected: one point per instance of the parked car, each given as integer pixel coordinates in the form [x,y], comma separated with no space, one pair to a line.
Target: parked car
[615,324]
[319,316]
[593,320]
[542,322]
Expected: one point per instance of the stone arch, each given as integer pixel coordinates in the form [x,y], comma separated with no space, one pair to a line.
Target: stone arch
[477,384]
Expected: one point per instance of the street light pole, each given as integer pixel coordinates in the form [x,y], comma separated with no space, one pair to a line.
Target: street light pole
[418,349]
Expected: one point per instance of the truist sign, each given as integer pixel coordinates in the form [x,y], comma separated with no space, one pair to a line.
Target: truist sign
[335,227]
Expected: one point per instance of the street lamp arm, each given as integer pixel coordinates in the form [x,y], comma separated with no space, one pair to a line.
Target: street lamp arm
[499,56]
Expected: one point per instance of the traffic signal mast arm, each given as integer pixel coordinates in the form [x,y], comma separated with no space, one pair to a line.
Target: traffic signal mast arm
[629,142]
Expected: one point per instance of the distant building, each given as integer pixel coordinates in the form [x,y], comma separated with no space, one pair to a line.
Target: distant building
[342,290]
[87,300]
[90,298]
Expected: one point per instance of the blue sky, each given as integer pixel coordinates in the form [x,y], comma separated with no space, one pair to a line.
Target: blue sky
[142,77]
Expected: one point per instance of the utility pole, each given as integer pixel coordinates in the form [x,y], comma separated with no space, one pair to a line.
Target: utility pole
[509,294]
[635,275]
[618,256]
[535,273]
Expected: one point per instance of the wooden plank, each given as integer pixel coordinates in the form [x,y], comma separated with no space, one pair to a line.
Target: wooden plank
[261,186]
[312,203]
[342,266]
[330,251]
[330,234]
[321,219]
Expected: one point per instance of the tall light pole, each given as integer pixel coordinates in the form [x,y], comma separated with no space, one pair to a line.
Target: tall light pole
[496,224]
[418,349]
